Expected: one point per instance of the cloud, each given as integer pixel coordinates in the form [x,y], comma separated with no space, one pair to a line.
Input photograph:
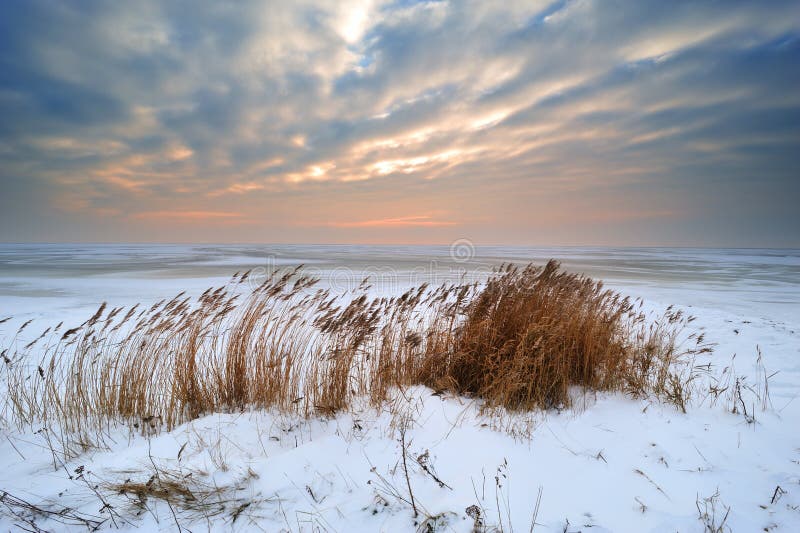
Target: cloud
[399,222]
[186,214]
[290,113]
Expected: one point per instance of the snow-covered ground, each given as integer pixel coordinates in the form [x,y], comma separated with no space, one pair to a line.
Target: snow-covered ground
[613,464]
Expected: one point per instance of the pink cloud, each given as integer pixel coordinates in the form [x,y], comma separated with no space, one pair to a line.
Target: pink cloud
[418,220]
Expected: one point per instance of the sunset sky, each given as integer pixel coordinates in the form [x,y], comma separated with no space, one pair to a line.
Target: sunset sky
[533,122]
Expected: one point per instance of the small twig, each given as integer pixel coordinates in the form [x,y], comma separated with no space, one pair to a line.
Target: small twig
[106,506]
[63,516]
[648,478]
[15,448]
[777,494]
[536,509]
[422,461]
[155,468]
[405,467]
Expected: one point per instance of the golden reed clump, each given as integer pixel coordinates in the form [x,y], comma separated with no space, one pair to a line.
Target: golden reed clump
[533,333]
[522,340]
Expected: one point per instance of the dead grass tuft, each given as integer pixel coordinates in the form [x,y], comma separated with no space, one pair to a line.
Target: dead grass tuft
[523,340]
[534,333]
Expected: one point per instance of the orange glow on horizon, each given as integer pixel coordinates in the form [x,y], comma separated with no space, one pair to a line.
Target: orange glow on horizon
[190,216]
[419,220]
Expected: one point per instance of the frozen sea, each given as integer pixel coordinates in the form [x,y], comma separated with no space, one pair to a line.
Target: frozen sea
[58,280]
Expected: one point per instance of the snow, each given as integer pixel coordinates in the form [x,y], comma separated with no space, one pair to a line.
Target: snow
[611,464]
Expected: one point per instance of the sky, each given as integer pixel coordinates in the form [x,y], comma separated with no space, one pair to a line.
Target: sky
[568,122]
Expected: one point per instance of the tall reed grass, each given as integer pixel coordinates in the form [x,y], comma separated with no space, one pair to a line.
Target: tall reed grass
[523,340]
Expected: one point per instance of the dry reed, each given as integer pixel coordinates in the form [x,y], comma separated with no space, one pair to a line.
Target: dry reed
[522,340]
